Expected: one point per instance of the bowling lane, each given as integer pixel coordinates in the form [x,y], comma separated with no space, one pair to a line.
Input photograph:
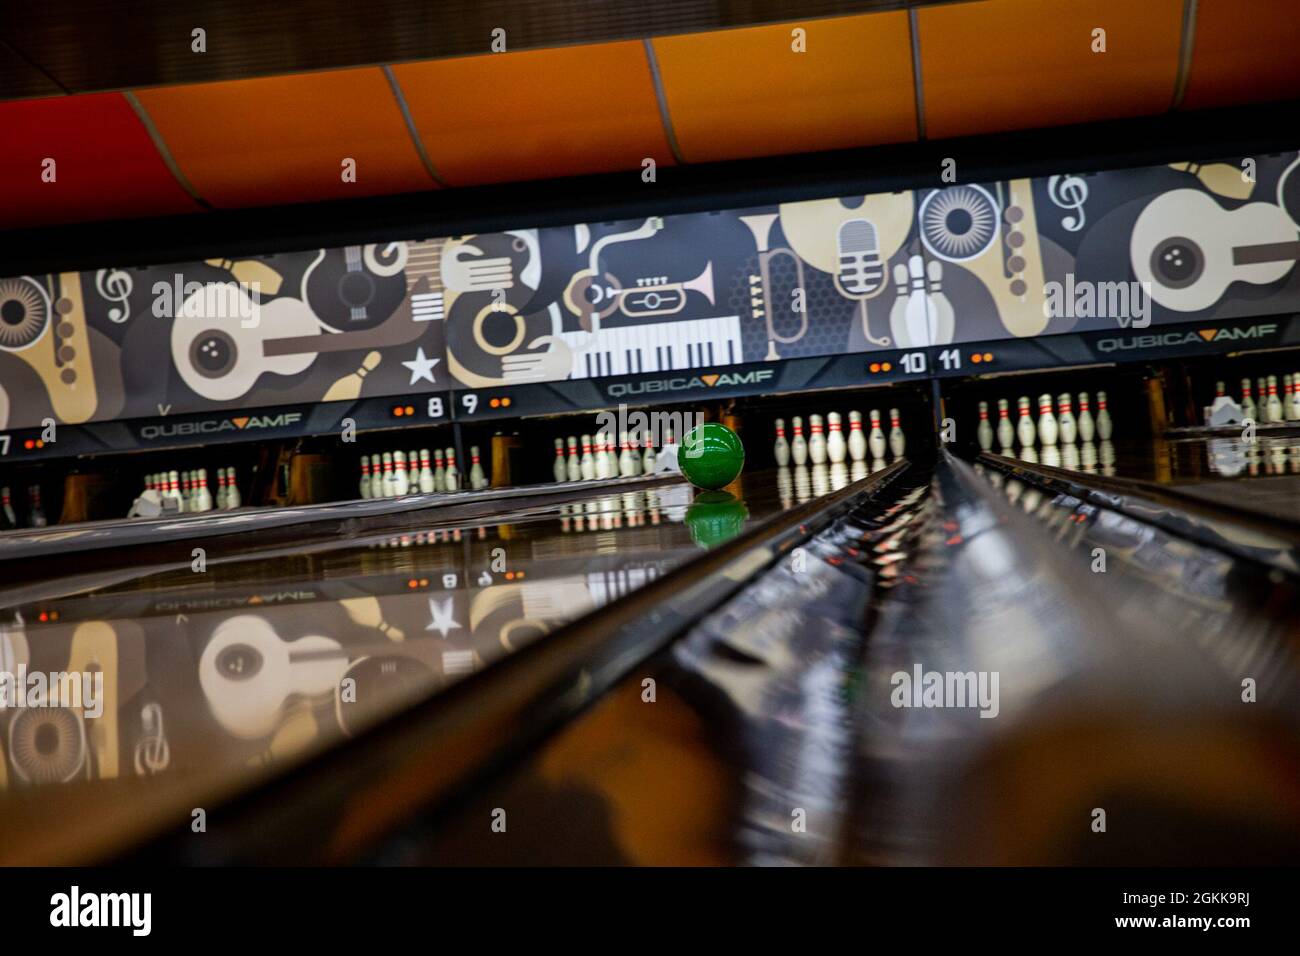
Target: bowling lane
[776,732]
[1262,476]
[698,755]
[215,677]
[1131,665]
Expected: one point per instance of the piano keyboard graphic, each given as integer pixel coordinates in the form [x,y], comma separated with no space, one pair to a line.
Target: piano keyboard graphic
[655,347]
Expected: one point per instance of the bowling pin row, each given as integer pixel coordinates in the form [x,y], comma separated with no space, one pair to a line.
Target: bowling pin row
[820,447]
[1271,408]
[35,513]
[189,489]
[396,473]
[1050,427]
[598,457]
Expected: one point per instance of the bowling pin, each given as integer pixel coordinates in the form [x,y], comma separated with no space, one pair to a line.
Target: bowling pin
[440,473]
[1103,418]
[1006,434]
[627,462]
[174,490]
[984,431]
[365,476]
[798,445]
[587,465]
[898,311]
[203,495]
[1295,397]
[876,439]
[574,465]
[1084,422]
[648,455]
[388,483]
[426,473]
[477,479]
[1247,402]
[451,478]
[916,318]
[1025,429]
[1261,390]
[897,441]
[560,470]
[1273,405]
[835,447]
[35,513]
[1047,430]
[233,500]
[816,441]
[1220,390]
[942,316]
[857,440]
[781,450]
[7,508]
[401,480]
[1065,419]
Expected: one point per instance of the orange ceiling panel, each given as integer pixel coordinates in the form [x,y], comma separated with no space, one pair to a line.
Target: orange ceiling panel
[1244,51]
[1016,64]
[741,93]
[75,158]
[284,139]
[536,114]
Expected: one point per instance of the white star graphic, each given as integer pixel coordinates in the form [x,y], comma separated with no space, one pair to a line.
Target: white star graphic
[442,620]
[421,367]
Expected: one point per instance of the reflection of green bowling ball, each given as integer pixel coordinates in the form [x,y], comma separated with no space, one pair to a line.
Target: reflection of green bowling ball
[715,517]
[711,455]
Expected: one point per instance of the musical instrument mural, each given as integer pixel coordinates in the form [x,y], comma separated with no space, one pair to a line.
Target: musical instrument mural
[962,262]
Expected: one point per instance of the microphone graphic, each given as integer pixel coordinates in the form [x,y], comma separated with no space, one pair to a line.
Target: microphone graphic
[861,274]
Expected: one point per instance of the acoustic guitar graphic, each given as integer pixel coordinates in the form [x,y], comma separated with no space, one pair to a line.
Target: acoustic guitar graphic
[1190,249]
[223,340]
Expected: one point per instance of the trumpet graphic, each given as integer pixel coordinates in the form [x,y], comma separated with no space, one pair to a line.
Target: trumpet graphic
[761,297]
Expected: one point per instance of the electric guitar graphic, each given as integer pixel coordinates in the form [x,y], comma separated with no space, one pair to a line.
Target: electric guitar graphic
[1190,249]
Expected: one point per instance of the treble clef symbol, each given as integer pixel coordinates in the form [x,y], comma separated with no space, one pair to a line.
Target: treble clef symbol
[115,286]
[1069,192]
[152,753]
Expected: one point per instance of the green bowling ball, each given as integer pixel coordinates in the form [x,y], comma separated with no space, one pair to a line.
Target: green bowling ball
[711,456]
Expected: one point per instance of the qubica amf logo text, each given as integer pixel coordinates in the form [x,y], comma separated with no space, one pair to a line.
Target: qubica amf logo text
[687,383]
[212,426]
[950,689]
[75,908]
